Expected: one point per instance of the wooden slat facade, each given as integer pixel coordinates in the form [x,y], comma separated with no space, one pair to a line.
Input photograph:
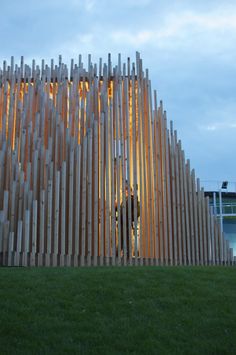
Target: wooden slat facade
[91,173]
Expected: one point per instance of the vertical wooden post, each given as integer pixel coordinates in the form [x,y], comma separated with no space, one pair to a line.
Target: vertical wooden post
[112,177]
[212,236]
[63,214]
[26,238]
[195,218]
[34,234]
[89,218]
[84,201]
[41,229]
[200,224]
[191,212]
[49,224]
[183,225]
[56,219]
[186,204]
[19,244]
[173,195]
[96,193]
[71,198]
[77,203]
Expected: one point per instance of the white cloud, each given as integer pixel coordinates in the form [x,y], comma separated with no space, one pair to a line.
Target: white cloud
[209,127]
[86,38]
[132,38]
[181,26]
[139,3]
[176,24]
[89,5]
[218,126]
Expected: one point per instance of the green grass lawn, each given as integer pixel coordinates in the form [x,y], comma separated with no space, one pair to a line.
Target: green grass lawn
[142,310]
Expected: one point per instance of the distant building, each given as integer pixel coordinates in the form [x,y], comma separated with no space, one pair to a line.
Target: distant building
[223,202]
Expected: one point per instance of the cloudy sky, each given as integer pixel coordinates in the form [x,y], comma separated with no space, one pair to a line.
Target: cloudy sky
[189,47]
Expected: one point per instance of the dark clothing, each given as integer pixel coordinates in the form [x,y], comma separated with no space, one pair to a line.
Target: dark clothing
[127,221]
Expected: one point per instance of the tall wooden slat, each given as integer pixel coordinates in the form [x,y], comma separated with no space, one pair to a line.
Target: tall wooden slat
[71,202]
[112,179]
[84,202]
[96,192]
[34,234]
[212,236]
[89,218]
[168,197]
[26,230]
[183,215]
[107,192]
[41,228]
[190,194]
[150,171]
[49,223]
[134,150]
[19,244]
[204,227]
[10,248]
[63,214]
[173,195]
[186,205]
[127,166]
[117,170]
[195,218]
[200,223]
[160,185]
[77,203]
[123,173]
[56,217]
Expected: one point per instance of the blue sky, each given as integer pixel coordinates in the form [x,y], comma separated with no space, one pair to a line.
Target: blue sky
[188,46]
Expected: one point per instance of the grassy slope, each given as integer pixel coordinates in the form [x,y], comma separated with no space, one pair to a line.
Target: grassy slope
[144,310]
